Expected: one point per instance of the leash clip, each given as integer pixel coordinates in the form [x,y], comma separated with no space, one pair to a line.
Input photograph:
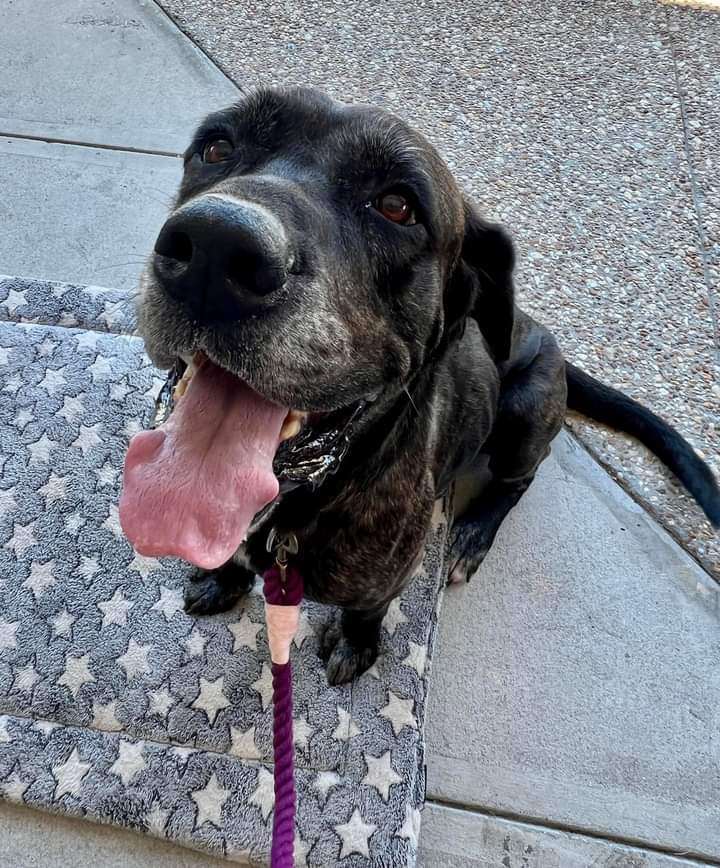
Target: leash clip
[283,544]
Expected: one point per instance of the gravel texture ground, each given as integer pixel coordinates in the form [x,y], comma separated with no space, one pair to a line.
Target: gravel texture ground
[591,131]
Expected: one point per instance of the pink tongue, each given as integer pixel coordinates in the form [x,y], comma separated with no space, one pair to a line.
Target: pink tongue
[192,487]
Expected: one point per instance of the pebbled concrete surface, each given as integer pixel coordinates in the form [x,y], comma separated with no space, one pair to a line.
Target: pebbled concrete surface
[588,695]
[81,214]
[113,72]
[565,121]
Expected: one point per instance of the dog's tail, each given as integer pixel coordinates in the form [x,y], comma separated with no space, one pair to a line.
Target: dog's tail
[604,404]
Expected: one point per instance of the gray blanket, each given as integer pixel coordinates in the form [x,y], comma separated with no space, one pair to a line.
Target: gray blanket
[114,704]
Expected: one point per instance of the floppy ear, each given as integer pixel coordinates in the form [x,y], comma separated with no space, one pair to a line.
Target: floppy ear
[487,258]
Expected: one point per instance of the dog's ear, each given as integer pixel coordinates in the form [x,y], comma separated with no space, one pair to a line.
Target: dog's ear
[484,274]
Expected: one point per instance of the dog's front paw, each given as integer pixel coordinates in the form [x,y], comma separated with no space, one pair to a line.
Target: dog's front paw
[344,662]
[347,663]
[215,592]
[468,547]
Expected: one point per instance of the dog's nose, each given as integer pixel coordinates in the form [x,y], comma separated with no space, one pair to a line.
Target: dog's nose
[224,259]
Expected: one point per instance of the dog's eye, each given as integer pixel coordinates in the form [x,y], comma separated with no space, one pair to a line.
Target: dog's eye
[396,207]
[217,151]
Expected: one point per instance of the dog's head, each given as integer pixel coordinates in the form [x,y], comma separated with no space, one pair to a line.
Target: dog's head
[314,250]
[322,254]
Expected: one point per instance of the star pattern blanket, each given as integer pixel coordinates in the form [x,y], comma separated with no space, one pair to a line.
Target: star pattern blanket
[117,706]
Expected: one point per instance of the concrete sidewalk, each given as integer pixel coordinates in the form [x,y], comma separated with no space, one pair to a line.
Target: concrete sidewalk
[575,691]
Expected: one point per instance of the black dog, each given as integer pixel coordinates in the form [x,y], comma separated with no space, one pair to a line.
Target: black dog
[352,318]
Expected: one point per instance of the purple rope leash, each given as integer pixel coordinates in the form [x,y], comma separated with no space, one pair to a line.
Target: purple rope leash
[283,591]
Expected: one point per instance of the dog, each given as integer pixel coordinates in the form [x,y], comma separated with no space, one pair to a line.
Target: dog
[342,321]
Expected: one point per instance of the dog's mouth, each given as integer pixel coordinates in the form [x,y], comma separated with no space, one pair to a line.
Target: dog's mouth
[218,457]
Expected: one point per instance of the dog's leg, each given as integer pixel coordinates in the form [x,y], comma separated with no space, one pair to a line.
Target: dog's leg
[350,646]
[474,532]
[211,591]
[531,411]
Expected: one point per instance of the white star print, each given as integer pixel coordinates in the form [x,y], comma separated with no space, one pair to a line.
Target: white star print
[22,539]
[110,314]
[46,726]
[41,578]
[15,300]
[12,384]
[87,340]
[380,774]
[143,565]
[210,801]
[302,732]
[96,291]
[263,685]
[40,452]
[23,417]
[156,819]
[88,567]
[4,734]
[399,712]
[416,657]
[7,500]
[14,787]
[88,437]
[195,643]
[411,827]
[373,671]
[243,743]
[305,631]
[62,623]
[25,678]
[105,717]
[169,602]
[153,390]
[107,474]
[4,355]
[129,762]
[245,632]
[52,380]
[76,673]
[112,522]
[119,391]
[8,633]
[264,795]
[346,728]
[182,753]
[394,617]
[131,428]
[355,835]
[135,660]
[211,698]
[301,850]
[46,348]
[71,408]
[69,775]
[161,701]
[325,781]
[100,369]
[54,489]
[74,522]
[115,610]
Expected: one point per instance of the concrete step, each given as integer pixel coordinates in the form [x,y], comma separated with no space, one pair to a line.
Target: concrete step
[452,838]
[81,215]
[576,680]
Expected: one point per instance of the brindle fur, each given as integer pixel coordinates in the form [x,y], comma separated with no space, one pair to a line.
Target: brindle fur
[425,315]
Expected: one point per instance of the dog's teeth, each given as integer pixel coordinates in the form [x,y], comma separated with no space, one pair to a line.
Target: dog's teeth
[184,381]
[292,425]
